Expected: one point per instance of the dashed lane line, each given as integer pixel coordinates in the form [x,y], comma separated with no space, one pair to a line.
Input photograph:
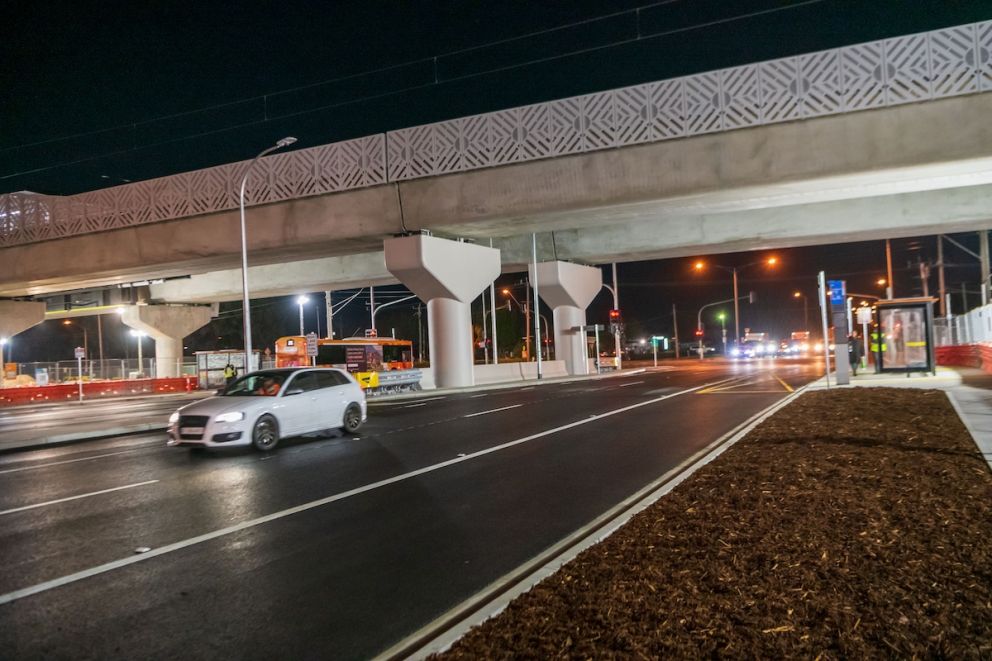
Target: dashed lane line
[82,495]
[505,408]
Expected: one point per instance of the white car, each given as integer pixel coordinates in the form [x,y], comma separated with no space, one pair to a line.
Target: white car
[260,408]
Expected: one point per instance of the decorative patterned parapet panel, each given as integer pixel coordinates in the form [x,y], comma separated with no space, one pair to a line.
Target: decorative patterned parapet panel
[919,67]
[27,217]
[890,72]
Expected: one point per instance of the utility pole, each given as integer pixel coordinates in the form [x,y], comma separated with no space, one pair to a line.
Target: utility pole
[372,306]
[485,334]
[675,325]
[925,277]
[616,306]
[527,320]
[890,287]
[329,306]
[983,251]
[940,276]
[420,332]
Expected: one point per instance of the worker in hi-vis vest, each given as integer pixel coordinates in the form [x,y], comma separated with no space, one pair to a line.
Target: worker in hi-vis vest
[874,346]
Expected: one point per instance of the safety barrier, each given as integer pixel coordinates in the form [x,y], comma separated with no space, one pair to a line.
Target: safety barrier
[966,355]
[93,390]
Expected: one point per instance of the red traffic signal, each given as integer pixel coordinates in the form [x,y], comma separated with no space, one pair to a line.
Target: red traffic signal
[699,332]
[614,315]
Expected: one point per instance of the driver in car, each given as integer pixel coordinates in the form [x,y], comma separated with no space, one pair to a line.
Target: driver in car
[268,388]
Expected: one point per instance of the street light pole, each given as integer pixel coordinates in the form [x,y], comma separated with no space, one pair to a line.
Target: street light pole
[285,142]
[616,306]
[301,301]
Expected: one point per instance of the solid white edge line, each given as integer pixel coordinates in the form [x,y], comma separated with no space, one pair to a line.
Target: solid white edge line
[505,408]
[413,406]
[206,537]
[631,383]
[82,495]
[591,534]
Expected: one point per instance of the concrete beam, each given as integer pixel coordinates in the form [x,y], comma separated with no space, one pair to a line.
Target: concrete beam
[293,277]
[632,238]
[916,147]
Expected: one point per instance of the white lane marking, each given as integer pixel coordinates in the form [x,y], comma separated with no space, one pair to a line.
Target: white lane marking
[413,406]
[251,523]
[402,401]
[527,388]
[472,415]
[631,383]
[66,461]
[82,495]
[477,396]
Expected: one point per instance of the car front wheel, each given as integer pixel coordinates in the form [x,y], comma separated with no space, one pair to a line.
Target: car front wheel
[352,419]
[265,434]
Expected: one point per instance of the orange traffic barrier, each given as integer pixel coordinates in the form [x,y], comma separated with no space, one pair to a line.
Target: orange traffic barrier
[64,392]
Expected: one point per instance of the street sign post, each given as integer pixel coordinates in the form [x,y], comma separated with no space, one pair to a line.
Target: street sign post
[312,347]
[80,354]
[864,318]
[838,309]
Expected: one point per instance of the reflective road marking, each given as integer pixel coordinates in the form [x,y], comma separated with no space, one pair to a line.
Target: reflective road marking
[472,415]
[82,495]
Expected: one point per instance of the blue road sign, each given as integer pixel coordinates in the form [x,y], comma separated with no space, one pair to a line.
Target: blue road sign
[838,291]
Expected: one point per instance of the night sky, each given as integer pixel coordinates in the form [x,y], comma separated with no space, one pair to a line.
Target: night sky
[96,94]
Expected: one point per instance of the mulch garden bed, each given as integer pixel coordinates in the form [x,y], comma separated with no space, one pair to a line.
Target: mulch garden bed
[854,523]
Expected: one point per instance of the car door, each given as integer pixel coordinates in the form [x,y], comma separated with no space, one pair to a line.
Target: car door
[333,398]
[298,407]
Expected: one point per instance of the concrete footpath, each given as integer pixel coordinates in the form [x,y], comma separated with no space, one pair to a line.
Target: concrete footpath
[969,389]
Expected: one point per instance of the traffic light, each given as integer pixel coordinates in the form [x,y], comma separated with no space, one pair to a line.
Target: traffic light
[614,316]
[699,332]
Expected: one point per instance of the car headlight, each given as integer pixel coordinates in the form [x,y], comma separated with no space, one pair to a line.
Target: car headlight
[230,417]
[174,418]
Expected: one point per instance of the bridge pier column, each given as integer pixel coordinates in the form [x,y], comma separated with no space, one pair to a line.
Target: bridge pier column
[168,325]
[448,275]
[568,289]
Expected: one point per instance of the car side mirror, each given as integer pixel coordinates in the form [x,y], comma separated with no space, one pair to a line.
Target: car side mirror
[294,391]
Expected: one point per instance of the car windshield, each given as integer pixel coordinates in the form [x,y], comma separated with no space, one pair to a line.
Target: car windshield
[259,384]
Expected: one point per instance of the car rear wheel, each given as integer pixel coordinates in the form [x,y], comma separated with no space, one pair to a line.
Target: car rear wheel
[352,419]
[265,433]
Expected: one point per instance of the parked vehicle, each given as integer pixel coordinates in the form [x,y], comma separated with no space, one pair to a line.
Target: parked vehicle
[261,408]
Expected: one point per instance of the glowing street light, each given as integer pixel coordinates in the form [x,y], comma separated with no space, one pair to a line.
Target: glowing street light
[301,301]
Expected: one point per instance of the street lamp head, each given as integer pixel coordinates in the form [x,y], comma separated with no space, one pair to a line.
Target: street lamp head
[881,282]
[772,261]
[302,299]
[699,266]
[285,142]
[137,333]
[67,322]
[505,292]
[3,341]
[797,294]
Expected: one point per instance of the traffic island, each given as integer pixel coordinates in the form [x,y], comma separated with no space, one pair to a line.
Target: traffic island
[853,523]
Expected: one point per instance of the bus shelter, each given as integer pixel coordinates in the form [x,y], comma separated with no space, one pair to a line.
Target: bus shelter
[903,337]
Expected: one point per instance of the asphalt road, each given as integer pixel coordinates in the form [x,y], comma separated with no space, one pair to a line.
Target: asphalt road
[341,546]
